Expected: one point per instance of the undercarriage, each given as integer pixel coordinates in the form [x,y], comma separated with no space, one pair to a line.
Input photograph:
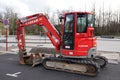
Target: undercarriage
[84,66]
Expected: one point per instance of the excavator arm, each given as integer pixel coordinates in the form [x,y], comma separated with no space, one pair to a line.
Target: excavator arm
[40,20]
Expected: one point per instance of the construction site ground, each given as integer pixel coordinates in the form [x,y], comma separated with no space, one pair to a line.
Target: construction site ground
[10,69]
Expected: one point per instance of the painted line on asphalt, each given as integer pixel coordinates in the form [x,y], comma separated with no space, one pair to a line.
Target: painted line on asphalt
[14,75]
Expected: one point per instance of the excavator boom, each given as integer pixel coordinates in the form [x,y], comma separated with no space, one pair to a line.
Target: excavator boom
[40,20]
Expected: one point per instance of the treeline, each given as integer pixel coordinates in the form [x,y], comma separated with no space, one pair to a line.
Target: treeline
[8,13]
[107,22]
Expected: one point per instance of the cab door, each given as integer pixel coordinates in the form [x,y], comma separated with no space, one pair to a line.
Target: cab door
[68,37]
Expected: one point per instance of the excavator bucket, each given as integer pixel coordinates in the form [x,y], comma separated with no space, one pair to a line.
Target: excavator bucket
[36,55]
[30,58]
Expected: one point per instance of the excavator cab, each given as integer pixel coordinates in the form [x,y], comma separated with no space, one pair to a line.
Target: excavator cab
[78,35]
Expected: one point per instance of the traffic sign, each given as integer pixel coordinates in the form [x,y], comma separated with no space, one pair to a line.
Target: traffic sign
[6,23]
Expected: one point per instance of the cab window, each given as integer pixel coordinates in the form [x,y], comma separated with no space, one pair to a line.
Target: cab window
[81,23]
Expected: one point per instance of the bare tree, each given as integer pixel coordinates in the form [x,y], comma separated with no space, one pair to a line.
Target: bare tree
[12,17]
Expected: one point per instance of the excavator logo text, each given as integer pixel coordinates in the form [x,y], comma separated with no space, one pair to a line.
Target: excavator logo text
[31,22]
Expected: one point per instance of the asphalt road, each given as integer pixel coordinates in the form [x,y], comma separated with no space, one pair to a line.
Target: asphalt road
[112,45]
[10,69]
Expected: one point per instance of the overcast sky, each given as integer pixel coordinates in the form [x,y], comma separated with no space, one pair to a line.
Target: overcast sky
[26,7]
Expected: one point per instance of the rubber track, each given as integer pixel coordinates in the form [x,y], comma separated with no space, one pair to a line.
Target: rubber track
[85,62]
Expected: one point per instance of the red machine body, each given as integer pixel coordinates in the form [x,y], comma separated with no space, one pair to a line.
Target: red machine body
[75,43]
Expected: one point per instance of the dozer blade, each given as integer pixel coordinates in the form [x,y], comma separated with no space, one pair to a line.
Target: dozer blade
[84,67]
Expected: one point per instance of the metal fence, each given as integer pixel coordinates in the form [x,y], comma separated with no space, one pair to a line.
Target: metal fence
[31,41]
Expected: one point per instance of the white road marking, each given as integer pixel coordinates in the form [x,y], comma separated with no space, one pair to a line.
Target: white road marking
[13,75]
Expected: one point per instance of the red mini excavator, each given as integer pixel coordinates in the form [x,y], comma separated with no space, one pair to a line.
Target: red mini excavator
[76,43]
